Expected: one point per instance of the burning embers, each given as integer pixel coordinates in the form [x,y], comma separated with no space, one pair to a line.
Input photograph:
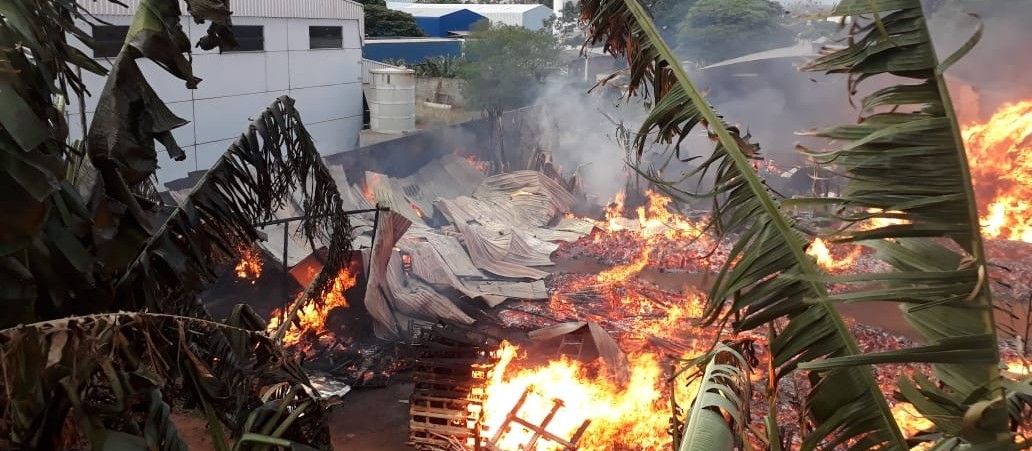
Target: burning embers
[249,267]
[311,319]
[1000,157]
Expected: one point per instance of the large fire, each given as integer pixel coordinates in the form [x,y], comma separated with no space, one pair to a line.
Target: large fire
[311,319]
[1000,156]
[633,416]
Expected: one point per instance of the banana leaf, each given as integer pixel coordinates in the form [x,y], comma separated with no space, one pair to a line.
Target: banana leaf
[905,160]
[768,276]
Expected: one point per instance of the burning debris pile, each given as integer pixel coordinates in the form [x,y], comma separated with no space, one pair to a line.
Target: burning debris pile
[582,322]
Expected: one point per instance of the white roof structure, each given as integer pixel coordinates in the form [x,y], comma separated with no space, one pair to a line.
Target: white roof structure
[803,51]
[526,16]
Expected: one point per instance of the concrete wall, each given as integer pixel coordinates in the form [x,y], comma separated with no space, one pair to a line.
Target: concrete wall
[403,156]
[426,87]
[327,84]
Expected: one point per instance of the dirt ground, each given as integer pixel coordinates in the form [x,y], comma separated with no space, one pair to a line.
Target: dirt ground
[369,419]
[372,419]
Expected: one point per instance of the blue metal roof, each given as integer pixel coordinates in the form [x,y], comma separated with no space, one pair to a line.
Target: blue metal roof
[438,23]
[411,51]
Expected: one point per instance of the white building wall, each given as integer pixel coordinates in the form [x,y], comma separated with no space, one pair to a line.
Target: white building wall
[535,18]
[236,86]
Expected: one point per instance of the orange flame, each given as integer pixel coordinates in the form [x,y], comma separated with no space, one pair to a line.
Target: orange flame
[368,193]
[1000,157]
[909,420]
[628,416]
[831,262]
[415,208]
[250,265]
[477,163]
[614,211]
[312,317]
[1018,367]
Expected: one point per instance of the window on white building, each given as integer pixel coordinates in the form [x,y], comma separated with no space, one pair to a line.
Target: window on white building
[325,37]
[251,38]
[108,40]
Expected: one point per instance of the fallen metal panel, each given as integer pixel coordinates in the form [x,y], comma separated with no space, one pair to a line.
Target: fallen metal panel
[417,299]
[454,255]
[388,195]
[531,291]
[485,253]
[392,227]
[576,225]
[555,331]
[527,250]
[614,358]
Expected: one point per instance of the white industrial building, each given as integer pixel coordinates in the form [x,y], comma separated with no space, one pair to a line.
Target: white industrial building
[310,50]
[527,16]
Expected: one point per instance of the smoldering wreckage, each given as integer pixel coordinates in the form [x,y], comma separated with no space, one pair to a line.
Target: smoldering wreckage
[525,313]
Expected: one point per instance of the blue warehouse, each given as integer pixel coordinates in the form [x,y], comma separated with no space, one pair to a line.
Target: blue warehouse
[440,22]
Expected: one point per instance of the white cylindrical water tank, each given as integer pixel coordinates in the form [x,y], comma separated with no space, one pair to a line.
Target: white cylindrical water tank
[392,102]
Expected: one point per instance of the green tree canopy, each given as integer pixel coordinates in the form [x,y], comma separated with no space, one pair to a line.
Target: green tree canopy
[507,65]
[385,22]
[668,15]
[715,30]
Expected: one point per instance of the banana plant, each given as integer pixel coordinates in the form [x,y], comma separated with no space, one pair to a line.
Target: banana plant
[723,395]
[99,380]
[768,274]
[905,162]
[904,166]
[90,239]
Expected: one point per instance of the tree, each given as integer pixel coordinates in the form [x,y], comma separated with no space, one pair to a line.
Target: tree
[905,161]
[102,325]
[668,15]
[381,21]
[507,65]
[715,30]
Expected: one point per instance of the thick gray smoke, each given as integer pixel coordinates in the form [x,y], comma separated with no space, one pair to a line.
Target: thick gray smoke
[585,131]
[771,99]
[997,69]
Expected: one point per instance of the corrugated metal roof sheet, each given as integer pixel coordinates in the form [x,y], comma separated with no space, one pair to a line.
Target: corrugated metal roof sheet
[802,51]
[419,11]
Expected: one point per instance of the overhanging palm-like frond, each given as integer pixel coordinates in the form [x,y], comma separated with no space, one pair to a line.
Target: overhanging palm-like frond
[905,160]
[723,398]
[274,162]
[109,372]
[75,235]
[768,275]
[84,245]
[130,116]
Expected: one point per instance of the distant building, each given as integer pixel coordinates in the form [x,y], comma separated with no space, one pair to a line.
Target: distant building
[410,50]
[442,22]
[310,50]
[527,16]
